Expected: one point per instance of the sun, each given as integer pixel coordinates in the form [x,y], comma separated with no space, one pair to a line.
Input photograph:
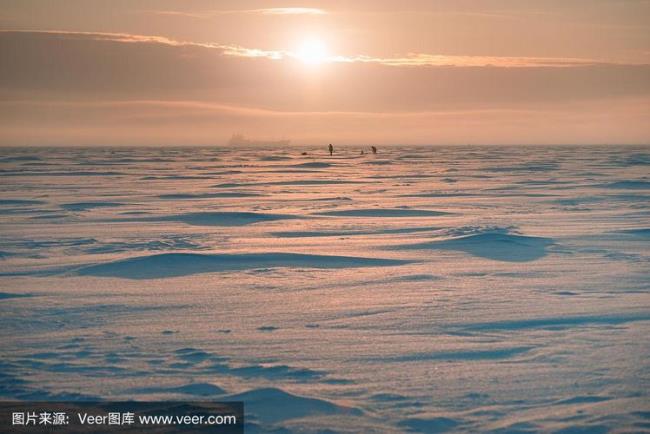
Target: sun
[312,52]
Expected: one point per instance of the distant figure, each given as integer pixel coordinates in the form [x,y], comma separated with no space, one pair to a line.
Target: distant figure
[374,150]
[362,152]
[331,149]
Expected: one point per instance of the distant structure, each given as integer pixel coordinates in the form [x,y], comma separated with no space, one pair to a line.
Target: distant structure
[240,140]
[374,149]
[331,149]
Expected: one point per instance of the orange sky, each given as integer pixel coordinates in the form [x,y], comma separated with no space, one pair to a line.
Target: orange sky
[82,72]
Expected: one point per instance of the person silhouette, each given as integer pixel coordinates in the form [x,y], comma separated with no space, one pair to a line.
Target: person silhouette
[331,149]
[374,149]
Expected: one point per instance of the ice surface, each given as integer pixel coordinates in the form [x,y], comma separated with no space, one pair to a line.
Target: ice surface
[183,264]
[215,218]
[493,244]
[264,404]
[460,289]
[85,206]
[405,212]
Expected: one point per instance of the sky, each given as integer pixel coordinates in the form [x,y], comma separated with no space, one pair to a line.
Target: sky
[195,72]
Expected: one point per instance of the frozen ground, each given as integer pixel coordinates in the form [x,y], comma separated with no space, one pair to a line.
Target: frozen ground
[464,289]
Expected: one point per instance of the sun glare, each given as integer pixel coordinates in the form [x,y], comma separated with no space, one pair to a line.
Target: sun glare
[312,52]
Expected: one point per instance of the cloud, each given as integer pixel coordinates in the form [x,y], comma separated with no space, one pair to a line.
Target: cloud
[423,59]
[84,88]
[238,51]
[264,11]
[102,65]
[291,11]
[102,36]
[410,59]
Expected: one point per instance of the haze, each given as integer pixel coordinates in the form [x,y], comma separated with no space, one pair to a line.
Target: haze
[408,72]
